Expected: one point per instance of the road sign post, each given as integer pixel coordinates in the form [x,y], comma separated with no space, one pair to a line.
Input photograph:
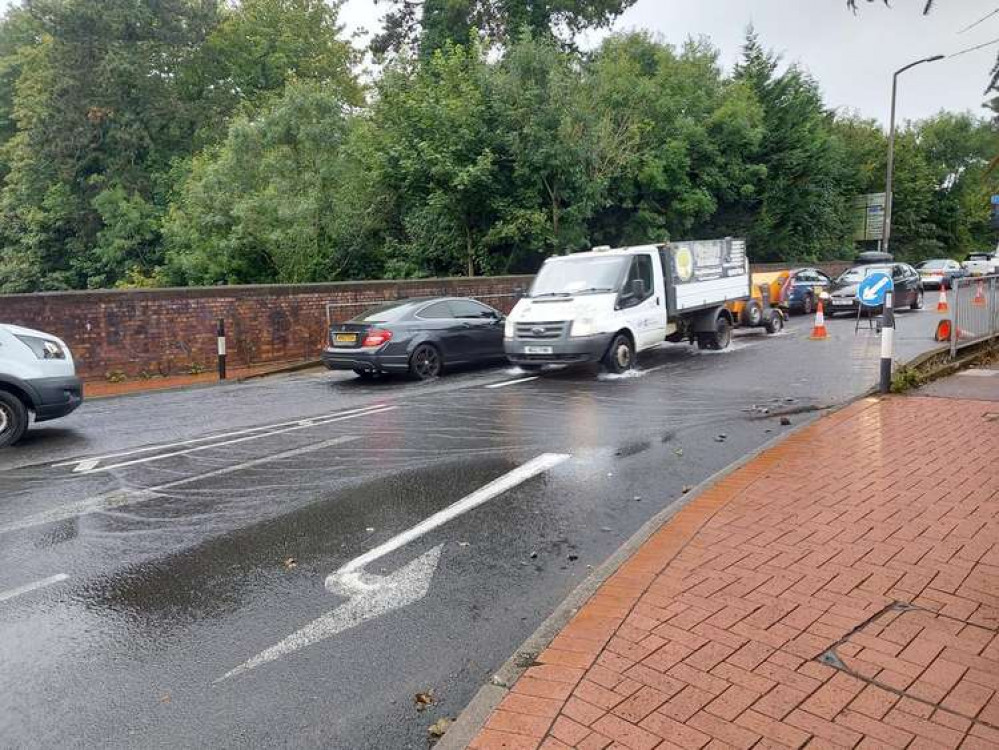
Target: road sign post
[877,290]
[887,343]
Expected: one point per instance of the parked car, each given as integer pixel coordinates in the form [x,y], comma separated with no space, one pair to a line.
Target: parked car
[420,337]
[908,288]
[37,376]
[940,272]
[802,289]
[982,264]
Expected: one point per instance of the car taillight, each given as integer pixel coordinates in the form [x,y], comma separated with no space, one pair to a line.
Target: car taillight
[377,337]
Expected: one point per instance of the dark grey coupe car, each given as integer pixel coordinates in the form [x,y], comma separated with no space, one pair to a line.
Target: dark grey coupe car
[420,337]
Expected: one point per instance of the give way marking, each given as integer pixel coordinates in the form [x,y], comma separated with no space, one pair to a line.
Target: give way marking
[369,595]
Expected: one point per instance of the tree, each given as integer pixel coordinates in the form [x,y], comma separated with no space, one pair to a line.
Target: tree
[438,160]
[435,22]
[272,203]
[804,213]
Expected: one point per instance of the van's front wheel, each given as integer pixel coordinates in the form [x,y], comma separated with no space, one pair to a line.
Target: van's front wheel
[621,355]
[13,419]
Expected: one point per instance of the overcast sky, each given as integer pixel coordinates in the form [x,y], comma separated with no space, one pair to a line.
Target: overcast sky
[851,56]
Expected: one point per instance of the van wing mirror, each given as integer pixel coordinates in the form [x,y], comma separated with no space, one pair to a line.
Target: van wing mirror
[638,288]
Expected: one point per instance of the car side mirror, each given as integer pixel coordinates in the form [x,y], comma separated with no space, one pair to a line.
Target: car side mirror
[638,288]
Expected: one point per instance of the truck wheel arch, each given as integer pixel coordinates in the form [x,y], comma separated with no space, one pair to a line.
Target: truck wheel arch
[706,320]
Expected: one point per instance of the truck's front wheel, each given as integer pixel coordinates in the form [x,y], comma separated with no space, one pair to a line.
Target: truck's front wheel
[13,419]
[717,339]
[621,355]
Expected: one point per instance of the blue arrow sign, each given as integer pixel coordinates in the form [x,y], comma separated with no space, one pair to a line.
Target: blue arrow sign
[873,289]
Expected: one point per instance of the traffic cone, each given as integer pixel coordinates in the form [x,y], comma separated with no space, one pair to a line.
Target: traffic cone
[819,331]
[942,306]
[979,300]
[943,331]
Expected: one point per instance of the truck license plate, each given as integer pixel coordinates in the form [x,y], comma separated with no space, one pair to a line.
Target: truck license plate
[539,350]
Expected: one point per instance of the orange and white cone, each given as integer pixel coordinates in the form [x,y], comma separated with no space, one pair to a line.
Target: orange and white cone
[979,300]
[942,306]
[819,331]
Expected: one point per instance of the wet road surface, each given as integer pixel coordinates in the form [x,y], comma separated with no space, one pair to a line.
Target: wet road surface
[151,545]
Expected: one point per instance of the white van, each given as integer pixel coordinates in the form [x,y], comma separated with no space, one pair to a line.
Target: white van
[37,376]
[609,304]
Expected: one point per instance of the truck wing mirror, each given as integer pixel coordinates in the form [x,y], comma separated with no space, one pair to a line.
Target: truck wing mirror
[638,288]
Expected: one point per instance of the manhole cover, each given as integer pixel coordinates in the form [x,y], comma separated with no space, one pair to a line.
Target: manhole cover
[944,662]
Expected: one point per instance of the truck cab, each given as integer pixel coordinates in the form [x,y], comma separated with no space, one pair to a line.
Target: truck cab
[608,304]
[37,376]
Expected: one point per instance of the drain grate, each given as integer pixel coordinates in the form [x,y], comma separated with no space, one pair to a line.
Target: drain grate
[946,663]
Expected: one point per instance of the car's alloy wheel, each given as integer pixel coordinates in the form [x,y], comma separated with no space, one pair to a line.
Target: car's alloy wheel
[808,306]
[426,363]
[917,304]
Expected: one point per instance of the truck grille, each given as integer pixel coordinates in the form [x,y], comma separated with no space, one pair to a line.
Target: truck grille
[541,331]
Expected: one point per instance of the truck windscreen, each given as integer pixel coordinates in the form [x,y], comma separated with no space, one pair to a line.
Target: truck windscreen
[567,277]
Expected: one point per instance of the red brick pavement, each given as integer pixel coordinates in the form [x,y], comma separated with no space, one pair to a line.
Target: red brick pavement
[710,636]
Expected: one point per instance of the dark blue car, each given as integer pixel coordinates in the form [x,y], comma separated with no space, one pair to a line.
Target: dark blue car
[802,289]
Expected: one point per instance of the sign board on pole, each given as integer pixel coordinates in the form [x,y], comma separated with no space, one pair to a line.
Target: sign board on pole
[869,212]
[872,290]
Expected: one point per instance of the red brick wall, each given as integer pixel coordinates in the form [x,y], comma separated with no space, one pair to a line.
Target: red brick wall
[167,331]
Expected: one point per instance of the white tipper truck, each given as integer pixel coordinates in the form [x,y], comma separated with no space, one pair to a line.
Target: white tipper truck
[607,305]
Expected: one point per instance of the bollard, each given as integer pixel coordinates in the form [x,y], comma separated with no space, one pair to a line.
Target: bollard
[221,343]
[887,342]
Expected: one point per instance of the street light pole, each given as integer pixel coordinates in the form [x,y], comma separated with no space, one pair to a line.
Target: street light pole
[886,230]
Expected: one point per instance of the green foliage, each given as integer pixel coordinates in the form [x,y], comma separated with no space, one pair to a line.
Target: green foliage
[430,25]
[151,142]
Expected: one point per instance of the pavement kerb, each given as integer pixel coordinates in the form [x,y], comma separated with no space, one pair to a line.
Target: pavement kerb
[472,719]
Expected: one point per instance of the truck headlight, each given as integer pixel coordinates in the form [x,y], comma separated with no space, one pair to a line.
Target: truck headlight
[583,327]
[509,328]
[43,348]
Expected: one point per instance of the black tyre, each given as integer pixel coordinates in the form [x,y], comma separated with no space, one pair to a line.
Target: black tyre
[808,305]
[426,362]
[917,303]
[621,355]
[775,323]
[13,419]
[752,314]
[718,339]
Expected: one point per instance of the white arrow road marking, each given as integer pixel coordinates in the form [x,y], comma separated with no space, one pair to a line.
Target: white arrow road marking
[871,293]
[406,586]
[10,594]
[370,596]
[129,497]
[85,465]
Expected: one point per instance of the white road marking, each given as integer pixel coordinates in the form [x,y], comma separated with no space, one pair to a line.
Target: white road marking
[110,500]
[512,382]
[297,426]
[28,587]
[84,462]
[406,586]
[370,596]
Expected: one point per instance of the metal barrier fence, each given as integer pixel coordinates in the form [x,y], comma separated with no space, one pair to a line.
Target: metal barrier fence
[976,311]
